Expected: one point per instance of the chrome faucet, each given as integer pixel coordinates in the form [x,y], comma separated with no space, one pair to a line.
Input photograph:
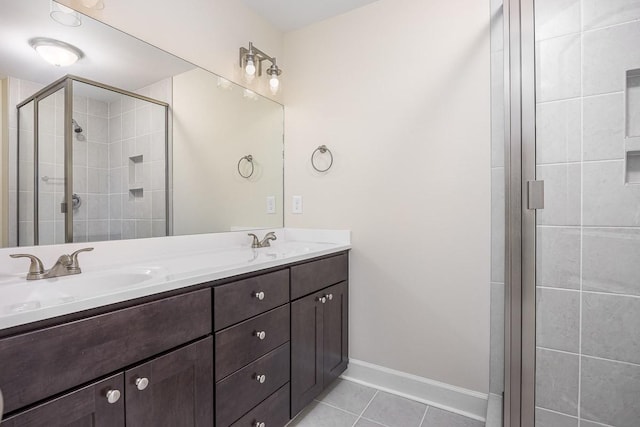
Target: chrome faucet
[265,242]
[65,266]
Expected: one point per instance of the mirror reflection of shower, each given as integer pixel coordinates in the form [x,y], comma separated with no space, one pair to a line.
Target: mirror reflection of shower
[78,130]
[101,164]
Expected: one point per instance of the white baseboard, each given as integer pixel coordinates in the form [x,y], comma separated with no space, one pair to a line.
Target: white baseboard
[461,401]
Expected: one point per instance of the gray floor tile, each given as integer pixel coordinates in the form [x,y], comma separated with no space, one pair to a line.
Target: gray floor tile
[348,395]
[363,422]
[395,411]
[546,418]
[320,415]
[440,418]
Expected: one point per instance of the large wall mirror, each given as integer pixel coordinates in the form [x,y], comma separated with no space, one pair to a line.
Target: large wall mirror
[126,142]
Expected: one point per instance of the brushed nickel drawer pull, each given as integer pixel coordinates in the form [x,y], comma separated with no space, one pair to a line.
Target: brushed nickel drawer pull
[259,295]
[260,334]
[260,378]
[259,424]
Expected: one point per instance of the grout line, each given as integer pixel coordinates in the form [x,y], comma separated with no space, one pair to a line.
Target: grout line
[580,162]
[579,402]
[424,416]
[604,359]
[589,30]
[576,98]
[591,227]
[336,407]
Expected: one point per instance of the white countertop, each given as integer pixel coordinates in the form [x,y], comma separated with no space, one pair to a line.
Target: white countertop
[129,269]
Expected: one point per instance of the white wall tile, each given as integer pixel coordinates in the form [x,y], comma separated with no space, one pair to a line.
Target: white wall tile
[600,13]
[558,68]
[558,132]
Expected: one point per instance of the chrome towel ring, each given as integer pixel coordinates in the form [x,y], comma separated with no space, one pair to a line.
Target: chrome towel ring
[248,158]
[322,149]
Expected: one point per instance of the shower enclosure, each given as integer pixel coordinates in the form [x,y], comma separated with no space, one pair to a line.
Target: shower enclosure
[92,164]
[572,144]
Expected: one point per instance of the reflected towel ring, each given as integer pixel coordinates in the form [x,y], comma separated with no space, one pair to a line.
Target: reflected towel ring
[322,149]
[248,158]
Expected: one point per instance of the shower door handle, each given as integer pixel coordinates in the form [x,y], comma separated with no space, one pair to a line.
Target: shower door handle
[535,190]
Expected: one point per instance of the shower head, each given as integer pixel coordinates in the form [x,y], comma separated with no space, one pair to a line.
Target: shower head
[76,126]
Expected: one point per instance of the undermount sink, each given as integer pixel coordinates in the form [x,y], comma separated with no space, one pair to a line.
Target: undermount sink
[23,295]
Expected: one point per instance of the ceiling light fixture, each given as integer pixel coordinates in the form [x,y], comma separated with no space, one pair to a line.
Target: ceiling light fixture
[251,61]
[55,52]
[93,4]
[64,15]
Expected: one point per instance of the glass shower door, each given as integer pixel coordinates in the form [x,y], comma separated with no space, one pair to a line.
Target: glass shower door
[50,180]
[587,369]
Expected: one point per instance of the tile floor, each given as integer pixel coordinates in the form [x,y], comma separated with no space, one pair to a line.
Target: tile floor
[347,404]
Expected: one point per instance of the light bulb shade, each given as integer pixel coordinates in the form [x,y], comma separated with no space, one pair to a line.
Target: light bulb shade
[274,83]
[64,15]
[56,52]
[250,68]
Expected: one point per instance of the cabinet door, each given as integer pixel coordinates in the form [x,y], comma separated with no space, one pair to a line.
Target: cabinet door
[336,332]
[87,407]
[172,390]
[306,351]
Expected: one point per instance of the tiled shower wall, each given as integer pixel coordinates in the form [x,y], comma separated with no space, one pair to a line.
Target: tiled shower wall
[588,255]
[137,164]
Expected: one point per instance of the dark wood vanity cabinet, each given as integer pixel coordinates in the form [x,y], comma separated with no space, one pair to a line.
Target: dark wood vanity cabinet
[319,333]
[170,390]
[247,352]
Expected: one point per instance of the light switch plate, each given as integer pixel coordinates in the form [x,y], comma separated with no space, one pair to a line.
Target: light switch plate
[296,204]
[271,204]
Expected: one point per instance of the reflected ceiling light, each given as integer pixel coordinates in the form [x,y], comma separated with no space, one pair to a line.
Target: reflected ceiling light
[64,15]
[55,52]
[93,4]
[224,83]
[251,61]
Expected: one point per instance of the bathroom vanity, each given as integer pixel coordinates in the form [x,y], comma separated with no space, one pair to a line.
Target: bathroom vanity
[251,349]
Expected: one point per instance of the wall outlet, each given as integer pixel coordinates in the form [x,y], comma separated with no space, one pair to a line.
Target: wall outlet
[296,204]
[271,204]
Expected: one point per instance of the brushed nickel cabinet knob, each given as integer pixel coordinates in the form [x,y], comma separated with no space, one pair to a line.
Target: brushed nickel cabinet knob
[329,297]
[259,295]
[259,424]
[322,299]
[261,378]
[142,383]
[260,334]
[113,396]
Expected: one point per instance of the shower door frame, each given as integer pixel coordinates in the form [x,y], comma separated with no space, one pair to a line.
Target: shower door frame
[520,252]
[66,82]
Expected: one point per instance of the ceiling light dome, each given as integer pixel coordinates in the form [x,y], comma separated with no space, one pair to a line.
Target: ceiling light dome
[55,52]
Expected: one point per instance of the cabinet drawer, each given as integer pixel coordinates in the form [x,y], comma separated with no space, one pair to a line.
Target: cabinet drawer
[239,392]
[87,406]
[273,412]
[313,276]
[42,363]
[241,344]
[237,301]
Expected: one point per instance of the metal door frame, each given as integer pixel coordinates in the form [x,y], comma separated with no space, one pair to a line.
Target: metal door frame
[520,256]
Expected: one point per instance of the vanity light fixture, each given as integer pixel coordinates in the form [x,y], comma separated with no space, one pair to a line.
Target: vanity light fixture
[64,15]
[251,61]
[55,52]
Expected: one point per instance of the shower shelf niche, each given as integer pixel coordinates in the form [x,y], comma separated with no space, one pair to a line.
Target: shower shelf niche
[136,187]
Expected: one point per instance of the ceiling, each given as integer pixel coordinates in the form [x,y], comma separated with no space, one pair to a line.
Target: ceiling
[110,56]
[288,15]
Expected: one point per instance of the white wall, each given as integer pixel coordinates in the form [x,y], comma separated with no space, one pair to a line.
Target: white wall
[4,167]
[399,91]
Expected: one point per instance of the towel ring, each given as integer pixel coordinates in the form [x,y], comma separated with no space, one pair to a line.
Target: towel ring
[322,149]
[248,158]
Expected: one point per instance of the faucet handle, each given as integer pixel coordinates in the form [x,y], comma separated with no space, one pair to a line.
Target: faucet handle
[36,269]
[256,241]
[75,266]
